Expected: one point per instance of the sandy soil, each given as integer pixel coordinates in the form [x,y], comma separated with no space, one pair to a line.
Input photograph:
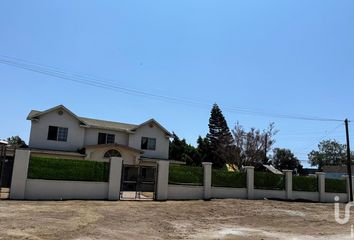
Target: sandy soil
[217,219]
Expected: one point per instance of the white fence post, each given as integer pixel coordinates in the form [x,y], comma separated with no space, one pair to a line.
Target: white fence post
[162,180]
[321,177]
[207,170]
[250,182]
[348,185]
[19,174]
[288,183]
[115,175]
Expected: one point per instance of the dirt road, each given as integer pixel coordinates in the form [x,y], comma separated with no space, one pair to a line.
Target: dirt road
[218,219]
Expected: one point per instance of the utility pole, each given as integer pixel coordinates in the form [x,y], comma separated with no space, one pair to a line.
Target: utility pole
[265,149]
[349,162]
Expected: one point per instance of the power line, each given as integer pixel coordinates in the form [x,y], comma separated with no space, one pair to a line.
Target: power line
[97,82]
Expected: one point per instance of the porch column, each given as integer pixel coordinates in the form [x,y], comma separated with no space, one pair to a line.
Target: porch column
[207,179]
[19,174]
[288,184]
[250,182]
[321,177]
[162,180]
[115,172]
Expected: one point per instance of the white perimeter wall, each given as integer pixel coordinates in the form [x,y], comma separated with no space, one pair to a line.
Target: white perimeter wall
[182,192]
[37,189]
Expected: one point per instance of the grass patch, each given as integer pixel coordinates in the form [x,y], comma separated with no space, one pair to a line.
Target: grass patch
[64,169]
[336,185]
[306,184]
[180,174]
[223,178]
[269,181]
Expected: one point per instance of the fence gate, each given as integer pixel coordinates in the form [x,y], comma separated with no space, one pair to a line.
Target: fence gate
[138,182]
[6,166]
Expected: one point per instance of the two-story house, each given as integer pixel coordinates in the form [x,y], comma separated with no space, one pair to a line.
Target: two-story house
[58,132]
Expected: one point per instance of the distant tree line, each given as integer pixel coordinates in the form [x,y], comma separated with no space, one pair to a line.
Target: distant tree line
[239,147]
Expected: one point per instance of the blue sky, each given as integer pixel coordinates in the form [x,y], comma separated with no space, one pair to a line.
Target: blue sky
[285,57]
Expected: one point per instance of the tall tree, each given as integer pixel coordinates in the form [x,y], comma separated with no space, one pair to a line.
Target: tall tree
[330,152]
[180,150]
[16,141]
[284,159]
[251,147]
[219,138]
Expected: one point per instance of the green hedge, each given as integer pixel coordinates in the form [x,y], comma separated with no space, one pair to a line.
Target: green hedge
[306,184]
[271,181]
[64,169]
[336,185]
[186,175]
[222,178]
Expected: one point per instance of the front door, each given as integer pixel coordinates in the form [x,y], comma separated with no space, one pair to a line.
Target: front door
[138,182]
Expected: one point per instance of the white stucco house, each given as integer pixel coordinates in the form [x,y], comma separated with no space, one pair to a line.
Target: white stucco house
[58,132]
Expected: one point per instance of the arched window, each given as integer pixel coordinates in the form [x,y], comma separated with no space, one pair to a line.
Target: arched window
[112,153]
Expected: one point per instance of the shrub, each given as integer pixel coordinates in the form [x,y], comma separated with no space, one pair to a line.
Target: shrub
[306,184]
[266,180]
[186,175]
[336,185]
[223,178]
[64,169]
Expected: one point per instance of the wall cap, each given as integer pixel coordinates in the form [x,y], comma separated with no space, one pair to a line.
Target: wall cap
[285,171]
[320,173]
[249,167]
[207,163]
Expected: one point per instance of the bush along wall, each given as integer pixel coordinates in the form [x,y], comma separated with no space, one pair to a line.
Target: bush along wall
[223,178]
[269,181]
[180,174]
[71,170]
[306,184]
[336,185]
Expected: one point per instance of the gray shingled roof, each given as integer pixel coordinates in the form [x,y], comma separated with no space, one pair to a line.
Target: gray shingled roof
[107,124]
[96,123]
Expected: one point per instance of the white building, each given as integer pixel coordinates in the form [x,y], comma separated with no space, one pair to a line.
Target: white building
[59,132]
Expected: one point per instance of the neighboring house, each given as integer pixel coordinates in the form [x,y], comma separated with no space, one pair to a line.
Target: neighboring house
[59,132]
[336,172]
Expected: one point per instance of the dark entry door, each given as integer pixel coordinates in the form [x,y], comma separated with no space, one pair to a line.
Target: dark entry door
[6,166]
[139,181]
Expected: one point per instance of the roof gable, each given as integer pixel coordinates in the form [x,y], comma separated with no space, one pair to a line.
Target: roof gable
[154,122]
[35,114]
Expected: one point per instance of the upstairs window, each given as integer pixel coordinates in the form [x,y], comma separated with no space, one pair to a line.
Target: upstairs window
[57,133]
[105,138]
[148,143]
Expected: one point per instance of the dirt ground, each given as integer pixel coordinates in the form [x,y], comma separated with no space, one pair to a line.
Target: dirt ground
[217,219]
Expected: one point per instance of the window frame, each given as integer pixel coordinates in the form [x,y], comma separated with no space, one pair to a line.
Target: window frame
[105,136]
[150,144]
[56,133]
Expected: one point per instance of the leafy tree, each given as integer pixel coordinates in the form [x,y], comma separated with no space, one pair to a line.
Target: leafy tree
[16,141]
[330,152]
[203,149]
[251,146]
[284,159]
[219,138]
[182,151]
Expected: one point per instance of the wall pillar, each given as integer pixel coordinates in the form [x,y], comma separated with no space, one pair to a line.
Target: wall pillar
[162,180]
[321,177]
[207,170]
[348,186]
[250,182]
[288,184]
[19,174]
[115,177]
